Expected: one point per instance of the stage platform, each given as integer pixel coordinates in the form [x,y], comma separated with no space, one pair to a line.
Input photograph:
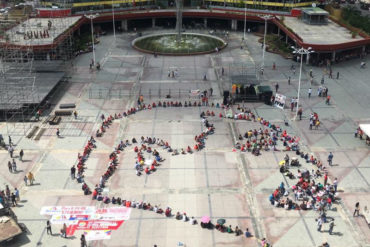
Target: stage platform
[24,89]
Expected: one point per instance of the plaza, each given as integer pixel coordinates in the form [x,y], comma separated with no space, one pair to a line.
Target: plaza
[215,181]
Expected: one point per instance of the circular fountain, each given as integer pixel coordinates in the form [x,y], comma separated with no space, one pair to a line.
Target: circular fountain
[178,43]
[169,44]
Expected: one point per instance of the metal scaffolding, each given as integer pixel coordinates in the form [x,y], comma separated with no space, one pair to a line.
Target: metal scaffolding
[30,70]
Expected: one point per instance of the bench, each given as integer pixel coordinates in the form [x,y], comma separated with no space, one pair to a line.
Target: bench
[63,113]
[39,134]
[66,106]
[32,132]
[55,120]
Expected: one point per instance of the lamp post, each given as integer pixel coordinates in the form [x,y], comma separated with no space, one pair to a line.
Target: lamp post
[245,19]
[266,18]
[114,24]
[91,17]
[301,51]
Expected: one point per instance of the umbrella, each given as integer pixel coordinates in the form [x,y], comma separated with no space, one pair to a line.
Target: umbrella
[205,219]
[282,162]
[221,221]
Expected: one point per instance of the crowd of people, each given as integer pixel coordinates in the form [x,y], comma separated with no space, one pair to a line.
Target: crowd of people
[264,139]
[309,193]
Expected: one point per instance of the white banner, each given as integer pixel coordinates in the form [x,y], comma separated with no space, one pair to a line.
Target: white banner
[112,213]
[280,101]
[63,210]
[68,219]
[97,235]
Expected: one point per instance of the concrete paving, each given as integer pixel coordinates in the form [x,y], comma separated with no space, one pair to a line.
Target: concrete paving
[215,181]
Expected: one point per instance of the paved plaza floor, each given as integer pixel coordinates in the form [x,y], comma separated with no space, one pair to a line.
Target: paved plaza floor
[216,181]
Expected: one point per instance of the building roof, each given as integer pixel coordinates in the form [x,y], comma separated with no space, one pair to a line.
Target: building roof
[39,28]
[314,11]
[329,34]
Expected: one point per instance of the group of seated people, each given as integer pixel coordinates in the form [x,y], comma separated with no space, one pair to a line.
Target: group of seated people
[112,165]
[81,159]
[228,229]
[266,139]
[308,194]
[360,133]
[140,162]
[104,125]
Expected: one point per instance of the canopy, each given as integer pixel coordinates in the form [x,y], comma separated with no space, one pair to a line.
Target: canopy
[365,128]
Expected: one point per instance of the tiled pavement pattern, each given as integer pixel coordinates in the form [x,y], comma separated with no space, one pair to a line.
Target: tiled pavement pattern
[215,181]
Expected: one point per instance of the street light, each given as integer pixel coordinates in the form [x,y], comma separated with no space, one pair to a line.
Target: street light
[301,51]
[114,24]
[91,17]
[266,18]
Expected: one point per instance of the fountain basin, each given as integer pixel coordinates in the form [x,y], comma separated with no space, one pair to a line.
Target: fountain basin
[190,44]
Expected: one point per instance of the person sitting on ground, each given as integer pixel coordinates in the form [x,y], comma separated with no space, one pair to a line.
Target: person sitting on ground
[193,221]
[138,173]
[237,231]
[168,212]
[220,227]
[178,216]
[229,229]
[184,217]
[175,152]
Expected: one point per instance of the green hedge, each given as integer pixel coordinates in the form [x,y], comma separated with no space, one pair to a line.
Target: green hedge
[353,17]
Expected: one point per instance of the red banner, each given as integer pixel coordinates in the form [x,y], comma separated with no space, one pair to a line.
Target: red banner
[98,224]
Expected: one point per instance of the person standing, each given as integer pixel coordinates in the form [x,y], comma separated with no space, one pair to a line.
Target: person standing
[335,184]
[300,111]
[11,150]
[83,241]
[311,74]
[276,86]
[330,74]
[338,75]
[21,153]
[48,228]
[319,224]
[289,80]
[10,167]
[330,158]
[75,114]
[14,202]
[58,133]
[309,92]
[325,178]
[210,92]
[64,230]
[14,166]
[25,180]
[322,80]
[357,209]
[10,141]
[16,193]
[31,178]
[331,227]
[73,172]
